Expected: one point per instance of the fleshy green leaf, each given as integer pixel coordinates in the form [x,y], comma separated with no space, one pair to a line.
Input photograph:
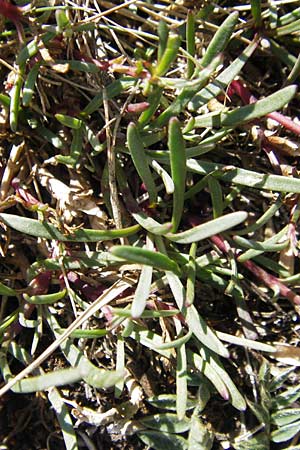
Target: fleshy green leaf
[157,440]
[139,255]
[285,432]
[256,180]
[166,422]
[176,146]
[204,333]
[285,416]
[208,229]
[168,402]
[5,290]
[137,151]
[48,231]
[214,88]
[249,112]
[220,39]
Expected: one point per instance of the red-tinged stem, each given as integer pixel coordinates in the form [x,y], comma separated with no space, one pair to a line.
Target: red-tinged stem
[10,11]
[237,87]
[220,243]
[286,122]
[102,65]
[272,282]
[15,14]
[265,277]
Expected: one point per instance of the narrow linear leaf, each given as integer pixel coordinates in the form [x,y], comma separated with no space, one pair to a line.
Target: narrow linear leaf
[177,342]
[29,85]
[137,151]
[220,39]
[166,179]
[208,229]
[15,100]
[5,290]
[181,382]
[236,399]
[46,298]
[204,333]
[40,382]
[139,255]
[168,402]
[48,231]
[120,365]
[247,177]
[163,33]
[190,43]
[255,345]
[151,340]
[93,140]
[177,289]
[32,48]
[261,246]
[95,333]
[264,218]
[176,146]
[213,89]
[285,432]
[151,224]
[289,17]
[69,121]
[169,55]
[252,253]
[50,137]
[154,100]
[55,399]
[216,194]
[146,314]
[142,291]
[167,422]
[80,66]
[249,112]
[280,52]
[285,416]
[288,29]
[205,368]
[191,275]
[256,12]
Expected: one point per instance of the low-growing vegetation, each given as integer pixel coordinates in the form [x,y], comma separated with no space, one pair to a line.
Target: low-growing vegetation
[149,206]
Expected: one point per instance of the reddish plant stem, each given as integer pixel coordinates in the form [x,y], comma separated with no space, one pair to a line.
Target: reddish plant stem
[269,280]
[237,87]
[15,14]
[286,122]
[272,282]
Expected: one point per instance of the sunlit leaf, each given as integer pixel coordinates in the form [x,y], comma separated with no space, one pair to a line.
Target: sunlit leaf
[48,231]
[139,255]
[208,229]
